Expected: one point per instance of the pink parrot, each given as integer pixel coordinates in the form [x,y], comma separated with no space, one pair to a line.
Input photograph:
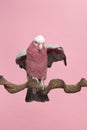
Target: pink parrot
[35,60]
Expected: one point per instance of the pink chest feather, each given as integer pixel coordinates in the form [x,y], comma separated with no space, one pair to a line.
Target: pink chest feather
[36,62]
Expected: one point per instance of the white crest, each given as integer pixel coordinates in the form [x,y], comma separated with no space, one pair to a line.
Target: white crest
[39,39]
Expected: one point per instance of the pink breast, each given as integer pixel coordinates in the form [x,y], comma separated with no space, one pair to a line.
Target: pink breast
[36,63]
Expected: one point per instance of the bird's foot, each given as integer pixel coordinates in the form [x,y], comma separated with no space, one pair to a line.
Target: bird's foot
[36,79]
[41,82]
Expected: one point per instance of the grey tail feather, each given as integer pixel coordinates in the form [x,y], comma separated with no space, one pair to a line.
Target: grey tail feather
[39,97]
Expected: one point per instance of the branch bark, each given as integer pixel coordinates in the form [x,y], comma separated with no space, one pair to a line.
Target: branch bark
[53,84]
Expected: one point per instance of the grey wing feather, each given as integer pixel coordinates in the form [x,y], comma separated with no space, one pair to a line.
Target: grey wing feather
[55,53]
[21,59]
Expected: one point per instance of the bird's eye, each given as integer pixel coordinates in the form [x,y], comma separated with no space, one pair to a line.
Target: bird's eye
[35,41]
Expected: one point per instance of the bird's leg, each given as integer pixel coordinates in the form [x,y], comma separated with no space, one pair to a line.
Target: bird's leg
[42,84]
[34,89]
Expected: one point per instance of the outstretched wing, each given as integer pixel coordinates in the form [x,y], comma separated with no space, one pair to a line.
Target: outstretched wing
[21,59]
[55,53]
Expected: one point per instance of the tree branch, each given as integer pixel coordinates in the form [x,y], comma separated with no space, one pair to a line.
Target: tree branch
[10,87]
[53,84]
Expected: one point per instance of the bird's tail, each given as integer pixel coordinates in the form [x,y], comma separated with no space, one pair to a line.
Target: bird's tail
[38,96]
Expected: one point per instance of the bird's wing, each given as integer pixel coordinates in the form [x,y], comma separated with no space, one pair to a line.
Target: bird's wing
[55,53]
[21,59]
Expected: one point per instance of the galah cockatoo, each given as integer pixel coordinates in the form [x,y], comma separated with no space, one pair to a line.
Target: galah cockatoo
[35,60]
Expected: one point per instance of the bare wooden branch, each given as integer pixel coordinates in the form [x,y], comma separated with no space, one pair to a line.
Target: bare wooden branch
[10,87]
[53,84]
[58,83]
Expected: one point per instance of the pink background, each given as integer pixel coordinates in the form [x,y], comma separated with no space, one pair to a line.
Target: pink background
[62,22]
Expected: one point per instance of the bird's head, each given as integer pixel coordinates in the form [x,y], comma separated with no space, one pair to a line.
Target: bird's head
[39,41]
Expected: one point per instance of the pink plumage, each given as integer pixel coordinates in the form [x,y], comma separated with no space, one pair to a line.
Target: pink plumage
[36,62]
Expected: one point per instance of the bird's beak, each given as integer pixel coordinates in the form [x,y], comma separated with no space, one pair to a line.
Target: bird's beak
[40,47]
